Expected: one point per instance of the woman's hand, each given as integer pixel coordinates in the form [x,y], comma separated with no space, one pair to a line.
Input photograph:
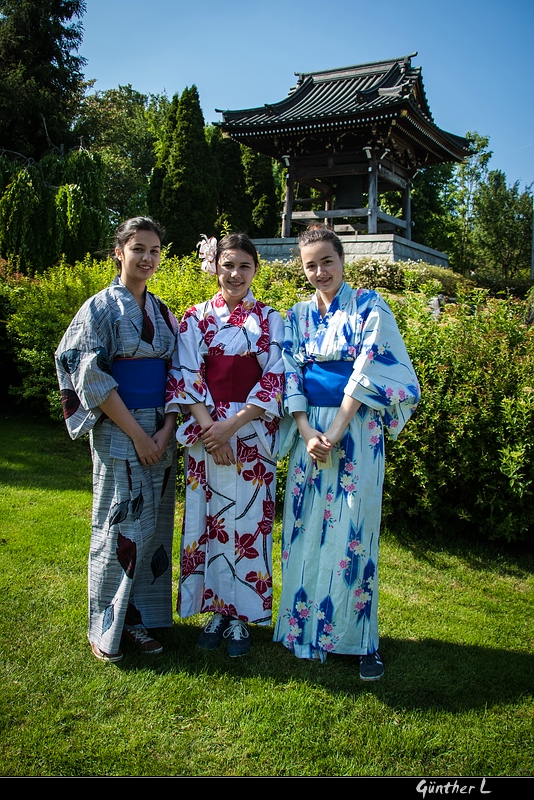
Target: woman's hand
[318,446]
[163,436]
[317,443]
[223,456]
[148,451]
[216,434]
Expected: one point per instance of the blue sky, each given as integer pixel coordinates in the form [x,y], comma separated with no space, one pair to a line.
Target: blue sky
[476,55]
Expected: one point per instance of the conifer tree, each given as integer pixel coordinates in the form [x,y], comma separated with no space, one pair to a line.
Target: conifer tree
[234,206]
[183,192]
[261,189]
[41,76]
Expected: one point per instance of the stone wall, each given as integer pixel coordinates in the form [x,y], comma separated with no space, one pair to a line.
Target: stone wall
[388,246]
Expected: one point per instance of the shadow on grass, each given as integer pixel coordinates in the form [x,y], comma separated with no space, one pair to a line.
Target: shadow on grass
[420,675]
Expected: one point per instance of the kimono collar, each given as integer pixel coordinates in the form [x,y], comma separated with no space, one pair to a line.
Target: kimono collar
[243,307]
[340,300]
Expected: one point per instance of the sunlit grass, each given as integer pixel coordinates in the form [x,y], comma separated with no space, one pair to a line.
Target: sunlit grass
[457,640]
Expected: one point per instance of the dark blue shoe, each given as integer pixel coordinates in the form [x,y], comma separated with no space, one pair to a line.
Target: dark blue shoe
[371,667]
[212,635]
[239,640]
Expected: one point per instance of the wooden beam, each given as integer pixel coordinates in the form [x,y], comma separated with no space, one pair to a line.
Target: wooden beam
[334,213]
[399,223]
[288,205]
[391,177]
[372,218]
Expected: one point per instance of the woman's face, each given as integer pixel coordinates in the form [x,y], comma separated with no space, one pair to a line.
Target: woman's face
[323,268]
[235,271]
[139,258]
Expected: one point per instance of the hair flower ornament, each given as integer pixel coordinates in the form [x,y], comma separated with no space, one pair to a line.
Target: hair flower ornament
[207,250]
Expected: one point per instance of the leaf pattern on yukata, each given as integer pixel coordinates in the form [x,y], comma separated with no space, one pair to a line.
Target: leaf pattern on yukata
[70,360]
[109,618]
[102,359]
[137,505]
[118,512]
[147,334]
[70,402]
[159,563]
[126,554]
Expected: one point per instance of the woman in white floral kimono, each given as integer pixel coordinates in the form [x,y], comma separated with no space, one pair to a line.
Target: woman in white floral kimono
[229,380]
[112,368]
[348,379]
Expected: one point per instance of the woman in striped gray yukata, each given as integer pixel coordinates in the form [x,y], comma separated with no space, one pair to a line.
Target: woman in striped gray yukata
[112,369]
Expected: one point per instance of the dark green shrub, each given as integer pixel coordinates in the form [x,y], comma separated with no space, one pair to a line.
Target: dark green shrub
[465,461]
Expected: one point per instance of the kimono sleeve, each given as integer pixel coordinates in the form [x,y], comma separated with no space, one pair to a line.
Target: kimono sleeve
[186,382]
[383,377]
[83,367]
[268,392]
[294,397]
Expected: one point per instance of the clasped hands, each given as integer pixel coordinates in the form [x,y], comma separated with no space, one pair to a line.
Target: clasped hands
[215,436]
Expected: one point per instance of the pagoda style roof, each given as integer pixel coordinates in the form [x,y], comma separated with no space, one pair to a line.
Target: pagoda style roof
[347,108]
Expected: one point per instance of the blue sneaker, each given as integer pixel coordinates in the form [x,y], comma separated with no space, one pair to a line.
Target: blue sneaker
[211,637]
[371,667]
[239,640]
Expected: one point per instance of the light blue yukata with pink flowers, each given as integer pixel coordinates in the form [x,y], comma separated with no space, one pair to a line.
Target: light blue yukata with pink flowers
[331,527]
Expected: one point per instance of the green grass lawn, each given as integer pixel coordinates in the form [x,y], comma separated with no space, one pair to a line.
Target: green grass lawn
[457,641]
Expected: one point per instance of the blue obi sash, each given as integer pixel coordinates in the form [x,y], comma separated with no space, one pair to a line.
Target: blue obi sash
[324,382]
[142,381]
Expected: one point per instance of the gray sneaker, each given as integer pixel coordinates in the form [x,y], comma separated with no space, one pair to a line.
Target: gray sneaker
[211,637]
[371,667]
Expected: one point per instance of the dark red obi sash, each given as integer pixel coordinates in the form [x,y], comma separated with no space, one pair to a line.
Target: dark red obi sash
[231,378]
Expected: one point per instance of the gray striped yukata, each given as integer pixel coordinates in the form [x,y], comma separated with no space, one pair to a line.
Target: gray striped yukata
[130,576]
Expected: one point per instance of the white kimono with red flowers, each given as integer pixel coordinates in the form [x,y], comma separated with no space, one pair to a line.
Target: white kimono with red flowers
[226,563]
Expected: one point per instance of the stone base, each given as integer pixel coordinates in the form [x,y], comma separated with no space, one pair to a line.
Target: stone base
[389,246]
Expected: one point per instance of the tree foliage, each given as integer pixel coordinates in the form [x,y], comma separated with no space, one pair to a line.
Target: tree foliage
[183,191]
[118,125]
[502,227]
[52,208]
[42,79]
[261,189]
[234,204]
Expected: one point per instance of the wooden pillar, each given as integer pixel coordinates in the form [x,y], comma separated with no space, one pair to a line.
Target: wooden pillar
[328,205]
[372,208]
[407,209]
[288,204]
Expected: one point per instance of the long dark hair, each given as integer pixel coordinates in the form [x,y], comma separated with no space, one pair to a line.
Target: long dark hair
[129,228]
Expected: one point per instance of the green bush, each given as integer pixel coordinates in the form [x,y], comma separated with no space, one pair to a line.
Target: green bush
[465,461]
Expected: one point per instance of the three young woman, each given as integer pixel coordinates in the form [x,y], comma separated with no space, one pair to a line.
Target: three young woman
[348,379]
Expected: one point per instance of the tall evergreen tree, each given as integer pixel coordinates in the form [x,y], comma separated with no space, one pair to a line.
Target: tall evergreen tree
[261,189]
[183,193]
[234,206]
[41,76]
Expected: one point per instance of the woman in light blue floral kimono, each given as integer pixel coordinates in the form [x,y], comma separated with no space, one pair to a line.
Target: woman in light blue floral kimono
[112,367]
[349,380]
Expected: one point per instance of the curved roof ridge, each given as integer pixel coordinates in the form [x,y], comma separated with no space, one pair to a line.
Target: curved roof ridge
[401,59]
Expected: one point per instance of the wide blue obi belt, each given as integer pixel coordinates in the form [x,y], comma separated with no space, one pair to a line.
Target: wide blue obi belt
[324,382]
[142,381]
